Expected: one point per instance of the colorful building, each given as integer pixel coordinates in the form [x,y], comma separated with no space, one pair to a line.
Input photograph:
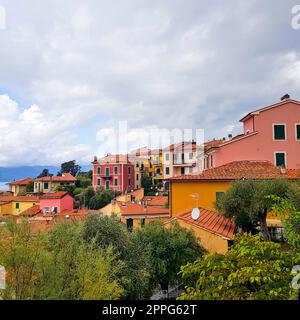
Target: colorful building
[14,206]
[114,172]
[50,183]
[203,191]
[271,133]
[19,187]
[56,202]
[156,159]
[212,230]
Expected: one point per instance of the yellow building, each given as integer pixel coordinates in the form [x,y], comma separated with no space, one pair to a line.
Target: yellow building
[14,206]
[19,187]
[156,171]
[203,190]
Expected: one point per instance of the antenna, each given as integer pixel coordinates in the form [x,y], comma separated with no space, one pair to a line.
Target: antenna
[195,214]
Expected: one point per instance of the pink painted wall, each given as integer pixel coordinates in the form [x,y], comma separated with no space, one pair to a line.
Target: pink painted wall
[66,203]
[262,145]
[123,176]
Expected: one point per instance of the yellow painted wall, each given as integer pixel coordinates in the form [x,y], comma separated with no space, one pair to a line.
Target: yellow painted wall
[10,208]
[181,201]
[210,242]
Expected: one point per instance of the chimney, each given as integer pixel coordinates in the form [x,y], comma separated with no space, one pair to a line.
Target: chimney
[285,97]
[95,159]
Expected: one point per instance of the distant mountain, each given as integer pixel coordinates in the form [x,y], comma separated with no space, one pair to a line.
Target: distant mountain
[16,173]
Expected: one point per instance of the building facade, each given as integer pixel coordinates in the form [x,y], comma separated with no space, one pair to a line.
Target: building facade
[271,133]
[49,184]
[114,172]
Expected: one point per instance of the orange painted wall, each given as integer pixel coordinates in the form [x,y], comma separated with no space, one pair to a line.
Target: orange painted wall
[181,201]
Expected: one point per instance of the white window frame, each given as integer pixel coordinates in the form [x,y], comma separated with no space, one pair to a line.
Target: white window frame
[285,131]
[285,157]
[167,155]
[296,124]
[115,170]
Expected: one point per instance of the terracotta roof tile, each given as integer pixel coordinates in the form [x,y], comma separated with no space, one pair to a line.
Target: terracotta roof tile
[66,177]
[19,198]
[22,182]
[128,209]
[211,221]
[32,211]
[156,201]
[54,195]
[238,170]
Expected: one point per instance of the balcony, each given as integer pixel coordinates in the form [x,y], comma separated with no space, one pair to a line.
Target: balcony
[182,163]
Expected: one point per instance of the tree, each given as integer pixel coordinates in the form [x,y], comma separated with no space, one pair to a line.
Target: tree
[85,179]
[30,186]
[248,202]
[44,173]
[134,260]
[70,167]
[251,269]
[25,259]
[79,270]
[169,249]
[85,196]
[101,198]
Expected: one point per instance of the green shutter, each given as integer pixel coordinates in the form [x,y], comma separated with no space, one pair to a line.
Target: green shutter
[219,195]
[279,132]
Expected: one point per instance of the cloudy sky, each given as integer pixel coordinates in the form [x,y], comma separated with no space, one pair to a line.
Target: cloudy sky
[71,70]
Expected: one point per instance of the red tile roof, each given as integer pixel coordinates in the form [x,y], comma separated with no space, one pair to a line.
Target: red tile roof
[22,182]
[137,193]
[156,201]
[238,170]
[32,211]
[114,158]
[66,177]
[211,221]
[131,209]
[54,195]
[18,199]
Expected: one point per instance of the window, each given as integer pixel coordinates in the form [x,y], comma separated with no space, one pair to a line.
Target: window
[137,176]
[99,170]
[46,185]
[98,182]
[129,182]
[190,170]
[167,170]
[46,209]
[219,195]
[129,223]
[167,157]
[182,171]
[280,160]
[55,210]
[279,131]
[107,171]
[190,155]
[158,171]
[297,131]
[116,170]
[129,170]
[115,182]
[107,185]
[17,205]
[175,157]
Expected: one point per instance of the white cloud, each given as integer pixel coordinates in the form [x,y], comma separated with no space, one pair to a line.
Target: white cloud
[165,64]
[30,137]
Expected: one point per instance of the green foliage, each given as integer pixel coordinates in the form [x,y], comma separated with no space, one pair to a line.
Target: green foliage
[248,202]
[169,249]
[134,274]
[44,173]
[70,167]
[251,269]
[30,187]
[291,219]
[85,179]
[101,198]
[69,189]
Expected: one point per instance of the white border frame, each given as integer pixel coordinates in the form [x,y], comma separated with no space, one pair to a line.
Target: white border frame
[285,131]
[296,124]
[285,155]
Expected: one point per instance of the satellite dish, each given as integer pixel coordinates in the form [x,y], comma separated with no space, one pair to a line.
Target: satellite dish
[195,213]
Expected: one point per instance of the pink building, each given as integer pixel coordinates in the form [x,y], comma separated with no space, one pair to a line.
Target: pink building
[56,202]
[114,172]
[271,133]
